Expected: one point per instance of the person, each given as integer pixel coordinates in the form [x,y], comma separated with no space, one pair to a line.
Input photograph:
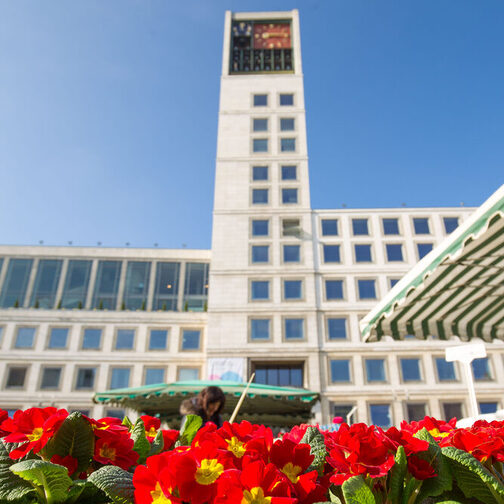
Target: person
[208,404]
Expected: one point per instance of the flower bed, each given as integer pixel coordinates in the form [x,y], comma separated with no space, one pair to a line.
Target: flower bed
[49,456]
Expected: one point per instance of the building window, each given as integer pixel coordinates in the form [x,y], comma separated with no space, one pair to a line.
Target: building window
[287,124]
[259,290]
[260,227]
[25,337]
[115,413]
[125,339]
[260,196]
[85,378]
[294,328]
[289,196]
[260,145]
[291,227]
[343,410]
[191,339]
[332,254]
[393,281]
[481,369]
[336,328]
[58,337]
[107,285]
[50,378]
[119,378]
[260,254]
[137,285]
[287,145]
[329,227]
[167,285]
[196,286]
[450,224]
[288,375]
[260,329]
[260,125]
[410,369]
[488,407]
[158,339]
[452,410]
[334,289]
[421,225]
[445,370]
[286,99]
[154,376]
[394,252]
[390,226]
[415,412]
[375,370]
[1,335]
[16,376]
[91,339]
[76,284]
[363,253]
[259,173]
[15,283]
[293,289]
[423,249]
[46,283]
[188,374]
[360,227]
[260,100]
[380,415]
[340,370]
[291,253]
[289,172]
[367,289]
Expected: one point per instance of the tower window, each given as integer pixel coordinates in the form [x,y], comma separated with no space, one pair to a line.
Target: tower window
[289,196]
[289,172]
[286,99]
[360,227]
[450,224]
[421,226]
[260,100]
[259,173]
[260,196]
[260,145]
[260,125]
[287,144]
[287,124]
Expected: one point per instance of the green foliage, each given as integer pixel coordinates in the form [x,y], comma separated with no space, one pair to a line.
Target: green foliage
[188,430]
[75,437]
[128,423]
[84,492]
[52,478]
[356,491]
[315,439]
[142,445]
[398,475]
[12,487]
[157,445]
[115,482]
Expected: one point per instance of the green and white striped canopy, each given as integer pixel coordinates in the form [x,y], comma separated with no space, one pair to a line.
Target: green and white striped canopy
[456,290]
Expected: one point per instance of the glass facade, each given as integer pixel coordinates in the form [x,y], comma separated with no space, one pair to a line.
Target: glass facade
[76,284]
[196,286]
[137,286]
[15,283]
[46,283]
[279,375]
[167,284]
[107,285]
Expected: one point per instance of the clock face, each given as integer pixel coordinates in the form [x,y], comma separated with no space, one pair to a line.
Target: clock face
[272,36]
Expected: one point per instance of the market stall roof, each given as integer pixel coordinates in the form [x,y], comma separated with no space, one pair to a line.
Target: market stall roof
[456,290]
[274,406]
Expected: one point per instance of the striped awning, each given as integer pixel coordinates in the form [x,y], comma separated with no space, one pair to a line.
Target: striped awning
[456,290]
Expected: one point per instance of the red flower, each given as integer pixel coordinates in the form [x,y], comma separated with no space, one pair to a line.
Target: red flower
[113,448]
[420,469]
[3,416]
[296,433]
[33,428]
[152,425]
[152,481]
[410,443]
[437,428]
[69,462]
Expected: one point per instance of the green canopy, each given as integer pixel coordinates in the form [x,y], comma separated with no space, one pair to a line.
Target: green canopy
[456,290]
[273,406]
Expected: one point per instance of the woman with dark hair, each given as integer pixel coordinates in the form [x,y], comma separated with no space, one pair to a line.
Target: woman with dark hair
[208,404]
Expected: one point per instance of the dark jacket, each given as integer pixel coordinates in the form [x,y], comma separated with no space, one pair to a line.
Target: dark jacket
[193,406]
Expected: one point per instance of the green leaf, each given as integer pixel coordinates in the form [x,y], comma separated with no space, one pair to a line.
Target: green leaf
[315,439]
[12,487]
[128,423]
[157,445]
[356,491]
[52,477]
[398,475]
[188,430]
[75,437]
[432,487]
[333,497]
[115,482]
[411,487]
[142,445]
[472,478]
[83,492]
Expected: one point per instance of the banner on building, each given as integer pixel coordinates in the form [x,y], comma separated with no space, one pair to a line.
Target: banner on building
[230,369]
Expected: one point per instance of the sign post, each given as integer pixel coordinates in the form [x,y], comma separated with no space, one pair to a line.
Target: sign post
[465,354]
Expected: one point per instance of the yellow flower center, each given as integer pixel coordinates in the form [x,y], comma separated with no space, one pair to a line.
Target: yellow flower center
[208,471]
[151,432]
[36,434]
[235,446]
[158,497]
[291,471]
[437,433]
[255,496]
[108,452]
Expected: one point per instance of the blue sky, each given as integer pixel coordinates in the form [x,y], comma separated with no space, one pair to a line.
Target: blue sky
[108,112]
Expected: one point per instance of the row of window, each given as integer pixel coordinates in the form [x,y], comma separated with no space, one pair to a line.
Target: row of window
[262,145]
[91,338]
[85,376]
[262,99]
[105,284]
[261,196]
[410,368]
[262,174]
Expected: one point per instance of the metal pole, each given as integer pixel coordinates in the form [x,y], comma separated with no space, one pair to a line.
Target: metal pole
[242,397]
[473,405]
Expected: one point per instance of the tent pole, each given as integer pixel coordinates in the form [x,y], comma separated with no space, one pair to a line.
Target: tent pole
[473,405]
[242,397]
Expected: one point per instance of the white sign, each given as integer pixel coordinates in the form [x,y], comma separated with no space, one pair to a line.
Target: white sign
[230,369]
[466,353]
